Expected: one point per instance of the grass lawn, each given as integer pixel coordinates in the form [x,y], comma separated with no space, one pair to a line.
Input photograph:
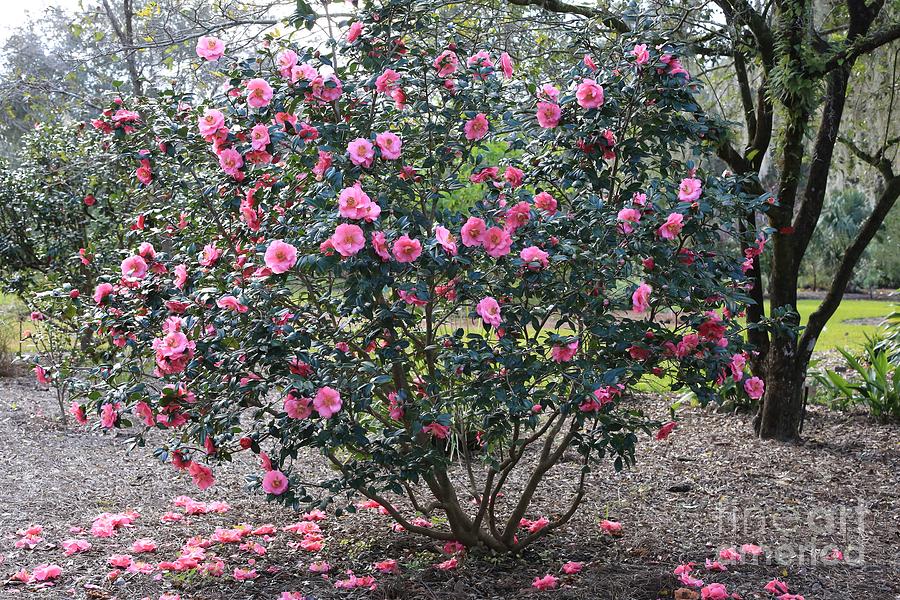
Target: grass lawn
[837,333]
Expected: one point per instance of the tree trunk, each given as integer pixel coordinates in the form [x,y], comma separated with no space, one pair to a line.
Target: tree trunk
[781,411]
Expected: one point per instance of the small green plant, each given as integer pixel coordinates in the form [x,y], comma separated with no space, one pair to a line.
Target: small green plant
[875,383]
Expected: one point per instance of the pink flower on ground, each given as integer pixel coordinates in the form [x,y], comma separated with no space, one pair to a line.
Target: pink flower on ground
[489,311]
[534,258]
[548,114]
[547,582]
[640,299]
[259,93]
[476,128]
[714,565]
[387,566]
[143,545]
[348,239]
[776,587]
[570,568]
[496,242]
[390,145]
[361,152]
[275,483]
[280,256]
[448,565]
[564,353]
[672,227]
[46,572]
[407,250]
[134,268]
[244,574]
[123,561]
[211,48]
[730,554]
[755,388]
[71,547]
[589,94]
[473,232]
[613,528]
[751,549]
[641,55]
[546,203]
[327,402]
[714,591]
[689,189]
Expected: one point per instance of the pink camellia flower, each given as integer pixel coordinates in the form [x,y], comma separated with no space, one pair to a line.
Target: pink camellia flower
[286,61]
[589,94]
[665,430]
[181,276]
[437,430]
[835,555]
[570,568]
[361,151]
[280,256]
[123,561]
[348,239]
[108,415]
[209,255]
[534,258]
[513,176]
[210,48]
[730,554]
[144,174]
[259,93]
[46,572]
[641,55]
[259,137]
[589,62]
[548,114]
[41,375]
[387,81]
[547,582]
[640,299]
[480,60]
[506,64]
[327,402]
[211,122]
[755,388]
[231,161]
[387,566]
[714,565]
[275,483]
[714,591]
[354,203]
[73,546]
[477,127]
[776,586]
[628,217]
[406,250]
[202,475]
[446,63]
[564,353]
[672,227]
[297,407]
[445,239]
[231,303]
[390,144]
[546,203]
[751,549]
[244,574]
[613,528]
[489,311]
[379,244]
[689,189]
[473,232]
[143,545]
[354,31]
[496,242]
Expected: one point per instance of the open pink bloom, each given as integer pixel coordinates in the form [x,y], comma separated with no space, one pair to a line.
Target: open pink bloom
[143,545]
[570,568]
[379,244]
[714,591]
[496,242]
[348,239]
[751,549]
[280,256]
[448,565]
[755,388]
[476,128]
[672,227]
[776,586]
[613,528]
[513,176]
[534,258]
[547,582]
[506,65]
[275,483]
[564,353]
[231,303]
[665,430]
[480,60]
[361,152]
[354,31]
[387,566]
[211,122]
[259,93]
[102,291]
[446,63]
[546,203]
[689,189]
[406,250]
[202,475]
[489,311]
[589,94]
[628,217]
[641,55]
[122,561]
[390,145]
[181,276]
[134,268]
[473,232]
[297,407]
[437,430]
[259,137]
[244,574]
[327,402]
[46,572]
[387,81]
[41,374]
[354,203]
[445,239]
[730,554]
[640,299]
[231,161]
[286,61]
[210,48]
[548,114]
[71,547]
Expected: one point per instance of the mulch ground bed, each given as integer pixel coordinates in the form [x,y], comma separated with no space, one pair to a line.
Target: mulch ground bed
[710,486]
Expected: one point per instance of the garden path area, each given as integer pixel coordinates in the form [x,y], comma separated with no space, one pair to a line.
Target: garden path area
[709,487]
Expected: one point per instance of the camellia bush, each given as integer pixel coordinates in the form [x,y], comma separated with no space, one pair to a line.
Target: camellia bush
[306,288]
